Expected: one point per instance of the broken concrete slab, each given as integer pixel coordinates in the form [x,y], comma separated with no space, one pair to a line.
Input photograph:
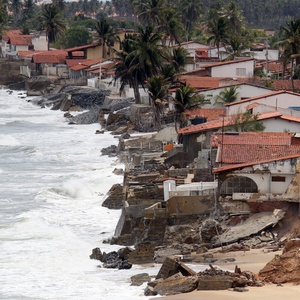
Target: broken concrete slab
[253,225]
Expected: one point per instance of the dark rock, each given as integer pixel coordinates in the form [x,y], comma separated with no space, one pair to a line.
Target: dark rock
[139,279]
[177,285]
[115,197]
[110,151]
[96,254]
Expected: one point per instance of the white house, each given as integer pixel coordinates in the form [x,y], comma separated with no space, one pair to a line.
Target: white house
[277,99]
[244,91]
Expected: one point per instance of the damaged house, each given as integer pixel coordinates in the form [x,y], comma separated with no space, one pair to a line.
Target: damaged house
[257,171]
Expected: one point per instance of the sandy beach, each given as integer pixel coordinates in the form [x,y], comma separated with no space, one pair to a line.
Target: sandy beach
[253,260]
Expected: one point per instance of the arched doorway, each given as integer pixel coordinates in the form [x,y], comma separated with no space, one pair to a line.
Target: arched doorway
[238,184]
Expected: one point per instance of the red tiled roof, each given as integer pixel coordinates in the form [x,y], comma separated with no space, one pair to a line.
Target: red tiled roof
[252,105]
[208,113]
[286,85]
[80,48]
[249,164]
[11,33]
[206,82]
[78,67]
[20,40]
[53,56]
[87,62]
[228,62]
[24,54]
[227,121]
[250,138]
[249,147]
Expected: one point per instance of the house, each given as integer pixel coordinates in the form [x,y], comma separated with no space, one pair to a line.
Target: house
[244,91]
[50,63]
[204,83]
[260,167]
[195,138]
[14,42]
[282,99]
[239,68]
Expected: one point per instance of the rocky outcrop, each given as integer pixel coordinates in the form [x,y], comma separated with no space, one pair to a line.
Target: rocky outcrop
[284,268]
[114,259]
[115,197]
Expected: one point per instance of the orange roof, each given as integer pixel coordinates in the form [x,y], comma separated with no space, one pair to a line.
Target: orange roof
[252,138]
[228,62]
[286,84]
[11,33]
[80,48]
[78,67]
[248,147]
[208,113]
[20,40]
[53,56]
[87,62]
[249,164]
[206,82]
[227,121]
[24,54]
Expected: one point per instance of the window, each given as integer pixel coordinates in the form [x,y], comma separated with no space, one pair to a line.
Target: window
[240,71]
[278,179]
[238,184]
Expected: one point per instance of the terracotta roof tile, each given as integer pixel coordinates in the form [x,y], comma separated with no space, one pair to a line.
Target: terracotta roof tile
[48,57]
[206,82]
[228,62]
[249,164]
[253,147]
[20,40]
[87,62]
[227,121]
[286,85]
[208,113]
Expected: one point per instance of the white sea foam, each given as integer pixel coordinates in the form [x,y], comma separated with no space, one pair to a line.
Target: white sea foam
[53,181]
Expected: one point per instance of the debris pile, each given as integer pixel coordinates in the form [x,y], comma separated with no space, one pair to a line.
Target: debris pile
[175,277]
[284,268]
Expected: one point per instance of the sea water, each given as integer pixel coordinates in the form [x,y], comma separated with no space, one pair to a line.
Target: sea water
[53,180]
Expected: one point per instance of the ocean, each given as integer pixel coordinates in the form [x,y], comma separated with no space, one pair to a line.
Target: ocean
[53,180]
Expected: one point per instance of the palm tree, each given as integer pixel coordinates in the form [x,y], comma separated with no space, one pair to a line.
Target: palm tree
[227,95]
[148,55]
[185,97]
[170,25]
[16,7]
[190,12]
[124,72]
[52,22]
[106,34]
[158,94]
[236,46]
[291,44]
[150,11]
[178,59]
[218,31]
[234,15]
[3,15]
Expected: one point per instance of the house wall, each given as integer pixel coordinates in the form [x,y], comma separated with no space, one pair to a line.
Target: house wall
[271,178]
[94,52]
[280,125]
[283,100]
[244,91]
[190,205]
[235,70]
[40,42]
